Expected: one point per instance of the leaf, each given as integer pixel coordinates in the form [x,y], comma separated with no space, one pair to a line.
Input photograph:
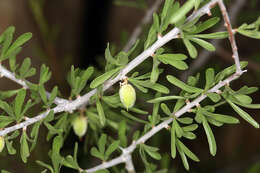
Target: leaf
[53,95]
[183,157]
[191,49]
[165,98]
[8,37]
[5,120]
[215,35]
[34,134]
[173,142]
[174,60]
[45,165]
[102,117]
[152,32]
[9,145]
[243,114]
[242,98]
[128,115]
[19,42]
[249,33]
[210,137]
[155,71]
[112,147]
[55,153]
[190,128]
[42,93]
[222,118]
[214,97]
[101,143]
[206,45]
[94,152]
[122,134]
[24,151]
[19,100]
[210,76]
[165,109]
[155,115]
[189,135]
[84,78]
[4,171]
[182,85]
[101,79]
[189,153]
[206,25]
[182,11]
[152,151]
[108,56]
[185,120]
[178,129]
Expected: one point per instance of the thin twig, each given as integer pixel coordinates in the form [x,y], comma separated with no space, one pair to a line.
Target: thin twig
[138,30]
[6,73]
[205,55]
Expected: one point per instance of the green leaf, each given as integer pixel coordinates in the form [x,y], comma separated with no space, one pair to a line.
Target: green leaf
[190,127]
[45,165]
[182,85]
[155,115]
[122,134]
[228,71]
[53,95]
[210,137]
[214,97]
[152,151]
[185,120]
[128,115]
[173,142]
[24,151]
[222,118]
[166,7]
[183,157]
[206,25]
[210,77]
[178,129]
[243,114]
[112,147]
[165,109]
[19,100]
[42,93]
[84,78]
[19,42]
[94,152]
[108,56]
[102,117]
[9,145]
[206,45]
[155,71]
[152,32]
[55,153]
[101,79]
[247,90]
[242,98]
[45,75]
[182,11]
[191,49]
[249,33]
[8,37]
[34,134]
[5,120]
[4,171]
[165,98]
[189,153]
[174,60]
[102,143]
[215,35]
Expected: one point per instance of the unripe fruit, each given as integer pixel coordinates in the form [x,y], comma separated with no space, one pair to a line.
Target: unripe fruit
[127,95]
[2,143]
[80,125]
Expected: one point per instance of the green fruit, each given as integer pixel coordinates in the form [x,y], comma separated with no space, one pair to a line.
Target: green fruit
[127,95]
[80,125]
[2,143]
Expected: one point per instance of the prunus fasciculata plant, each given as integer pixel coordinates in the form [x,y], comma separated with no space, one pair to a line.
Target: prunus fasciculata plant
[90,109]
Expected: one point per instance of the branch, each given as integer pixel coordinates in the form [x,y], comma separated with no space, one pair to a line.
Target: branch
[6,73]
[124,157]
[205,55]
[72,105]
[138,30]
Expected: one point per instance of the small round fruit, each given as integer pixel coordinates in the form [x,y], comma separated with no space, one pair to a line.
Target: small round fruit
[2,143]
[80,125]
[127,95]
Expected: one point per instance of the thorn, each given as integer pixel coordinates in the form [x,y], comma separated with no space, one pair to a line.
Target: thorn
[218,91]
[190,110]
[233,56]
[226,25]
[209,12]
[159,36]
[197,105]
